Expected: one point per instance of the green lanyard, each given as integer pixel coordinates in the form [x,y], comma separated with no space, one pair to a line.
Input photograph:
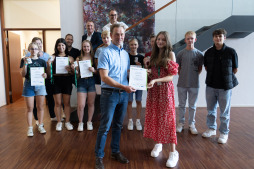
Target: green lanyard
[159,71]
[75,75]
[51,72]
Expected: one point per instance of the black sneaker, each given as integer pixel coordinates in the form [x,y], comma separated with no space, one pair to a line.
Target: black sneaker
[119,157]
[99,163]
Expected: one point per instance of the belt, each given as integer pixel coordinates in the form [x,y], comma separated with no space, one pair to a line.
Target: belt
[113,90]
[87,77]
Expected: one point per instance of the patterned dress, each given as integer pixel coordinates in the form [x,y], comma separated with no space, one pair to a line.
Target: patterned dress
[160,119]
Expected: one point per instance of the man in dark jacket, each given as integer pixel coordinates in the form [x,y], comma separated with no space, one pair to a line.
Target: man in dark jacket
[221,63]
[92,36]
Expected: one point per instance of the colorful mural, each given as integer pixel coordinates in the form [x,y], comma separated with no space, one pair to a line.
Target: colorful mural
[129,12]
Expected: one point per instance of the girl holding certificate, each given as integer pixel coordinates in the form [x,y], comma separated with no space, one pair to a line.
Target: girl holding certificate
[86,84]
[61,77]
[135,60]
[32,89]
[160,122]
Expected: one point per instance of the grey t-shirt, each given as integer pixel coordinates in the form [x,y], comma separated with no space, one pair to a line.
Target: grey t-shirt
[189,61]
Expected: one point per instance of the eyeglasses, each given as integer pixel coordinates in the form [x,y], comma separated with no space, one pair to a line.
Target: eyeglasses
[113,15]
[33,48]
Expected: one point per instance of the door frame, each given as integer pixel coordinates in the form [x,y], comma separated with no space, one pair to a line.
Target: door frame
[5,43]
[4,32]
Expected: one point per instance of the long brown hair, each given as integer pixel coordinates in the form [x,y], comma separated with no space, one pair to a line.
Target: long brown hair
[165,55]
[82,53]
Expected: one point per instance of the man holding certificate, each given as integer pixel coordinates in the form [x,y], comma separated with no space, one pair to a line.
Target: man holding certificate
[113,66]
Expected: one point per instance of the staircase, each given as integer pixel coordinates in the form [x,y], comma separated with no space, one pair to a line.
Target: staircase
[236,27]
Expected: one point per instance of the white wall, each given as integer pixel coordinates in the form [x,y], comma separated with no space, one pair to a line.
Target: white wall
[71,13]
[2,81]
[178,18]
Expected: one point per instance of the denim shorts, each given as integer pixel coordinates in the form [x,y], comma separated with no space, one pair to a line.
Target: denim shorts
[86,85]
[30,91]
[138,95]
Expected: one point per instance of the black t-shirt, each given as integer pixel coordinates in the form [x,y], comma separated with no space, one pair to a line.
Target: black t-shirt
[74,53]
[35,63]
[140,59]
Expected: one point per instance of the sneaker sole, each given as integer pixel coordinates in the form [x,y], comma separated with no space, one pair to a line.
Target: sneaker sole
[208,136]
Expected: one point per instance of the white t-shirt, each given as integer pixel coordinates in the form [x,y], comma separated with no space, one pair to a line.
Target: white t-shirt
[89,37]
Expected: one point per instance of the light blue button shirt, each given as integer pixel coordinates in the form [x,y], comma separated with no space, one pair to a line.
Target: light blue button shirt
[117,62]
[98,51]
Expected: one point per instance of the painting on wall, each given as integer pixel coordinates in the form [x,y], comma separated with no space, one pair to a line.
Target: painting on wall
[129,12]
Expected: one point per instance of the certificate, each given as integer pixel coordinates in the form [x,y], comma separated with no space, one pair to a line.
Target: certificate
[36,76]
[138,78]
[83,67]
[61,63]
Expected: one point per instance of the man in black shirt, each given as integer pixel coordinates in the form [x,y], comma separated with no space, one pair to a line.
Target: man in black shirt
[221,63]
[72,51]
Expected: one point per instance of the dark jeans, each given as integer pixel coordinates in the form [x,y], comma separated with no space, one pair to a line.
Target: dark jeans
[113,109]
[49,99]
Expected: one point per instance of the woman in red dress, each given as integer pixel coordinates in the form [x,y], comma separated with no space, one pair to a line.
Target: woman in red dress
[160,122]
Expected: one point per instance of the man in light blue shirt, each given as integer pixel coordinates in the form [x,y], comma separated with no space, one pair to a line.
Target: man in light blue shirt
[113,66]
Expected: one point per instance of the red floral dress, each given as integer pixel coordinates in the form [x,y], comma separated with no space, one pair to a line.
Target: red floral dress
[160,119]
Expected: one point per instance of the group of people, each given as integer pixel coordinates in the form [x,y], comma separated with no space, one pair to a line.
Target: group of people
[111,63]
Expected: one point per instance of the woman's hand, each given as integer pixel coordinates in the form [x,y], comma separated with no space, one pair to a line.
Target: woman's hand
[146,61]
[91,69]
[149,71]
[44,75]
[150,85]
[68,68]
[137,63]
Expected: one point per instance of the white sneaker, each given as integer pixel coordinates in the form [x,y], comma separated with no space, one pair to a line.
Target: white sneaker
[68,126]
[89,125]
[30,132]
[179,127]
[41,129]
[193,129]
[130,124]
[138,125]
[172,159]
[223,138]
[80,126]
[209,133]
[156,150]
[59,126]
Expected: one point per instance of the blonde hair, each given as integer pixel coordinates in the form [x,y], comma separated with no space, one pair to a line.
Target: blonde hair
[105,33]
[190,33]
[30,45]
[83,53]
[133,39]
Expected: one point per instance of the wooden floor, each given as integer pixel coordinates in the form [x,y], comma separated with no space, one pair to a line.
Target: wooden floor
[75,150]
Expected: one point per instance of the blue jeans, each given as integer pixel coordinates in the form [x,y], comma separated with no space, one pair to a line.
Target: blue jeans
[113,109]
[223,97]
[192,94]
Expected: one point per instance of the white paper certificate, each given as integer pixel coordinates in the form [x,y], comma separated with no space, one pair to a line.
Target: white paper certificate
[61,63]
[138,78]
[83,67]
[36,76]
